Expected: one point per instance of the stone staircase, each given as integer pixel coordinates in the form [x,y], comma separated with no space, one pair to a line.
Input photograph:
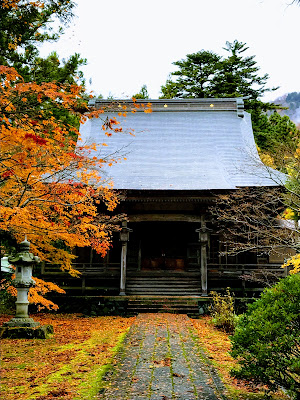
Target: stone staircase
[175,305]
[163,286]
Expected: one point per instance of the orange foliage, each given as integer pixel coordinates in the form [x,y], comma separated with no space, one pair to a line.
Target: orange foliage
[217,344]
[36,294]
[62,366]
[50,187]
[46,190]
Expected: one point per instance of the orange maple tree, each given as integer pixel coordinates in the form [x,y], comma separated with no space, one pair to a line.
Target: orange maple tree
[51,183]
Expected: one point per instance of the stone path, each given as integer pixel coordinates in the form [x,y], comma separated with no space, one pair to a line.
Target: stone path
[161,360]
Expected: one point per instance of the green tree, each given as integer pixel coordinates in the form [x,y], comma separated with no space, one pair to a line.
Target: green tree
[238,75]
[62,72]
[266,341]
[25,24]
[275,134]
[142,94]
[52,69]
[195,76]
[206,74]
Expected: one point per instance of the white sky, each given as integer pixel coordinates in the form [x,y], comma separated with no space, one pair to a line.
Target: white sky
[134,42]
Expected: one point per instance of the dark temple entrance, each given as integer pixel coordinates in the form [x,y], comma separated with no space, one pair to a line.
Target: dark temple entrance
[165,246]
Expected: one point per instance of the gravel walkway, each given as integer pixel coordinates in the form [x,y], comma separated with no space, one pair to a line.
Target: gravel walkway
[160,360]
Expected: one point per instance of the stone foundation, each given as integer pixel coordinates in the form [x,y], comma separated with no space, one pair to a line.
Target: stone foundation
[26,332]
[21,322]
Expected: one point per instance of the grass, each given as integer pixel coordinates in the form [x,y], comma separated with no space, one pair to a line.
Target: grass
[216,345]
[69,366]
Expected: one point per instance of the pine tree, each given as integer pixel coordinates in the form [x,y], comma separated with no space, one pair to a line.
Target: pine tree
[206,74]
[237,75]
[25,24]
[142,94]
[194,77]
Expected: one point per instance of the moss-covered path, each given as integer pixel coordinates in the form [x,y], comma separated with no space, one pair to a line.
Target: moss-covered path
[161,360]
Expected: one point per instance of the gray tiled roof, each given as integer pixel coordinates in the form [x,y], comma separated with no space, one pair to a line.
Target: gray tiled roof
[196,149]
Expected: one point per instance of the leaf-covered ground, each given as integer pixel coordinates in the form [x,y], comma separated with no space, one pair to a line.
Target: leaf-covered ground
[68,366]
[216,345]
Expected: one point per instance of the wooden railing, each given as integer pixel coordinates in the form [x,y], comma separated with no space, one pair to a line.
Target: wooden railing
[101,278]
[214,270]
[236,270]
[85,269]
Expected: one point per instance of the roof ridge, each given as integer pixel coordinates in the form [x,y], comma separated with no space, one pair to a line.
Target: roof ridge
[196,104]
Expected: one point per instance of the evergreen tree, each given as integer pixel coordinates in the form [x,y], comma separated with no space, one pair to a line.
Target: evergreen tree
[275,134]
[25,24]
[52,69]
[237,75]
[195,76]
[142,94]
[206,74]
[266,339]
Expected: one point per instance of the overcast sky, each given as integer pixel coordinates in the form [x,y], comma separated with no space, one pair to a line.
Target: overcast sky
[134,42]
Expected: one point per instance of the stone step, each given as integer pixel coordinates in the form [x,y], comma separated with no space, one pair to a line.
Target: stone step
[163,279]
[157,293]
[161,305]
[158,303]
[164,300]
[166,283]
[163,284]
[188,306]
[168,286]
[150,310]
[163,291]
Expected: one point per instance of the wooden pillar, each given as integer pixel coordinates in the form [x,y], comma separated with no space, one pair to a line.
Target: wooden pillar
[123,269]
[124,238]
[140,256]
[83,285]
[203,239]
[204,268]
[106,261]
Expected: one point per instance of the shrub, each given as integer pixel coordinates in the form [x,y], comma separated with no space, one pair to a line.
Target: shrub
[7,301]
[222,311]
[266,341]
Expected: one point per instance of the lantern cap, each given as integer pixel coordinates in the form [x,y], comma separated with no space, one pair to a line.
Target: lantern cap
[24,256]
[25,245]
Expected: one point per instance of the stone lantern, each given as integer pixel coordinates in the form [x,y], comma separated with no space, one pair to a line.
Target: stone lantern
[23,262]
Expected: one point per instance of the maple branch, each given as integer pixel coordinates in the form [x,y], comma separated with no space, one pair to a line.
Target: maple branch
[24,189]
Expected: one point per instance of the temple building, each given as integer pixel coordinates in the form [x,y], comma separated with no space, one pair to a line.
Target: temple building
[182,154]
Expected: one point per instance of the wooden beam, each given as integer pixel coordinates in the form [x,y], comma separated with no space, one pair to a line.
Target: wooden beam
[164,217]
